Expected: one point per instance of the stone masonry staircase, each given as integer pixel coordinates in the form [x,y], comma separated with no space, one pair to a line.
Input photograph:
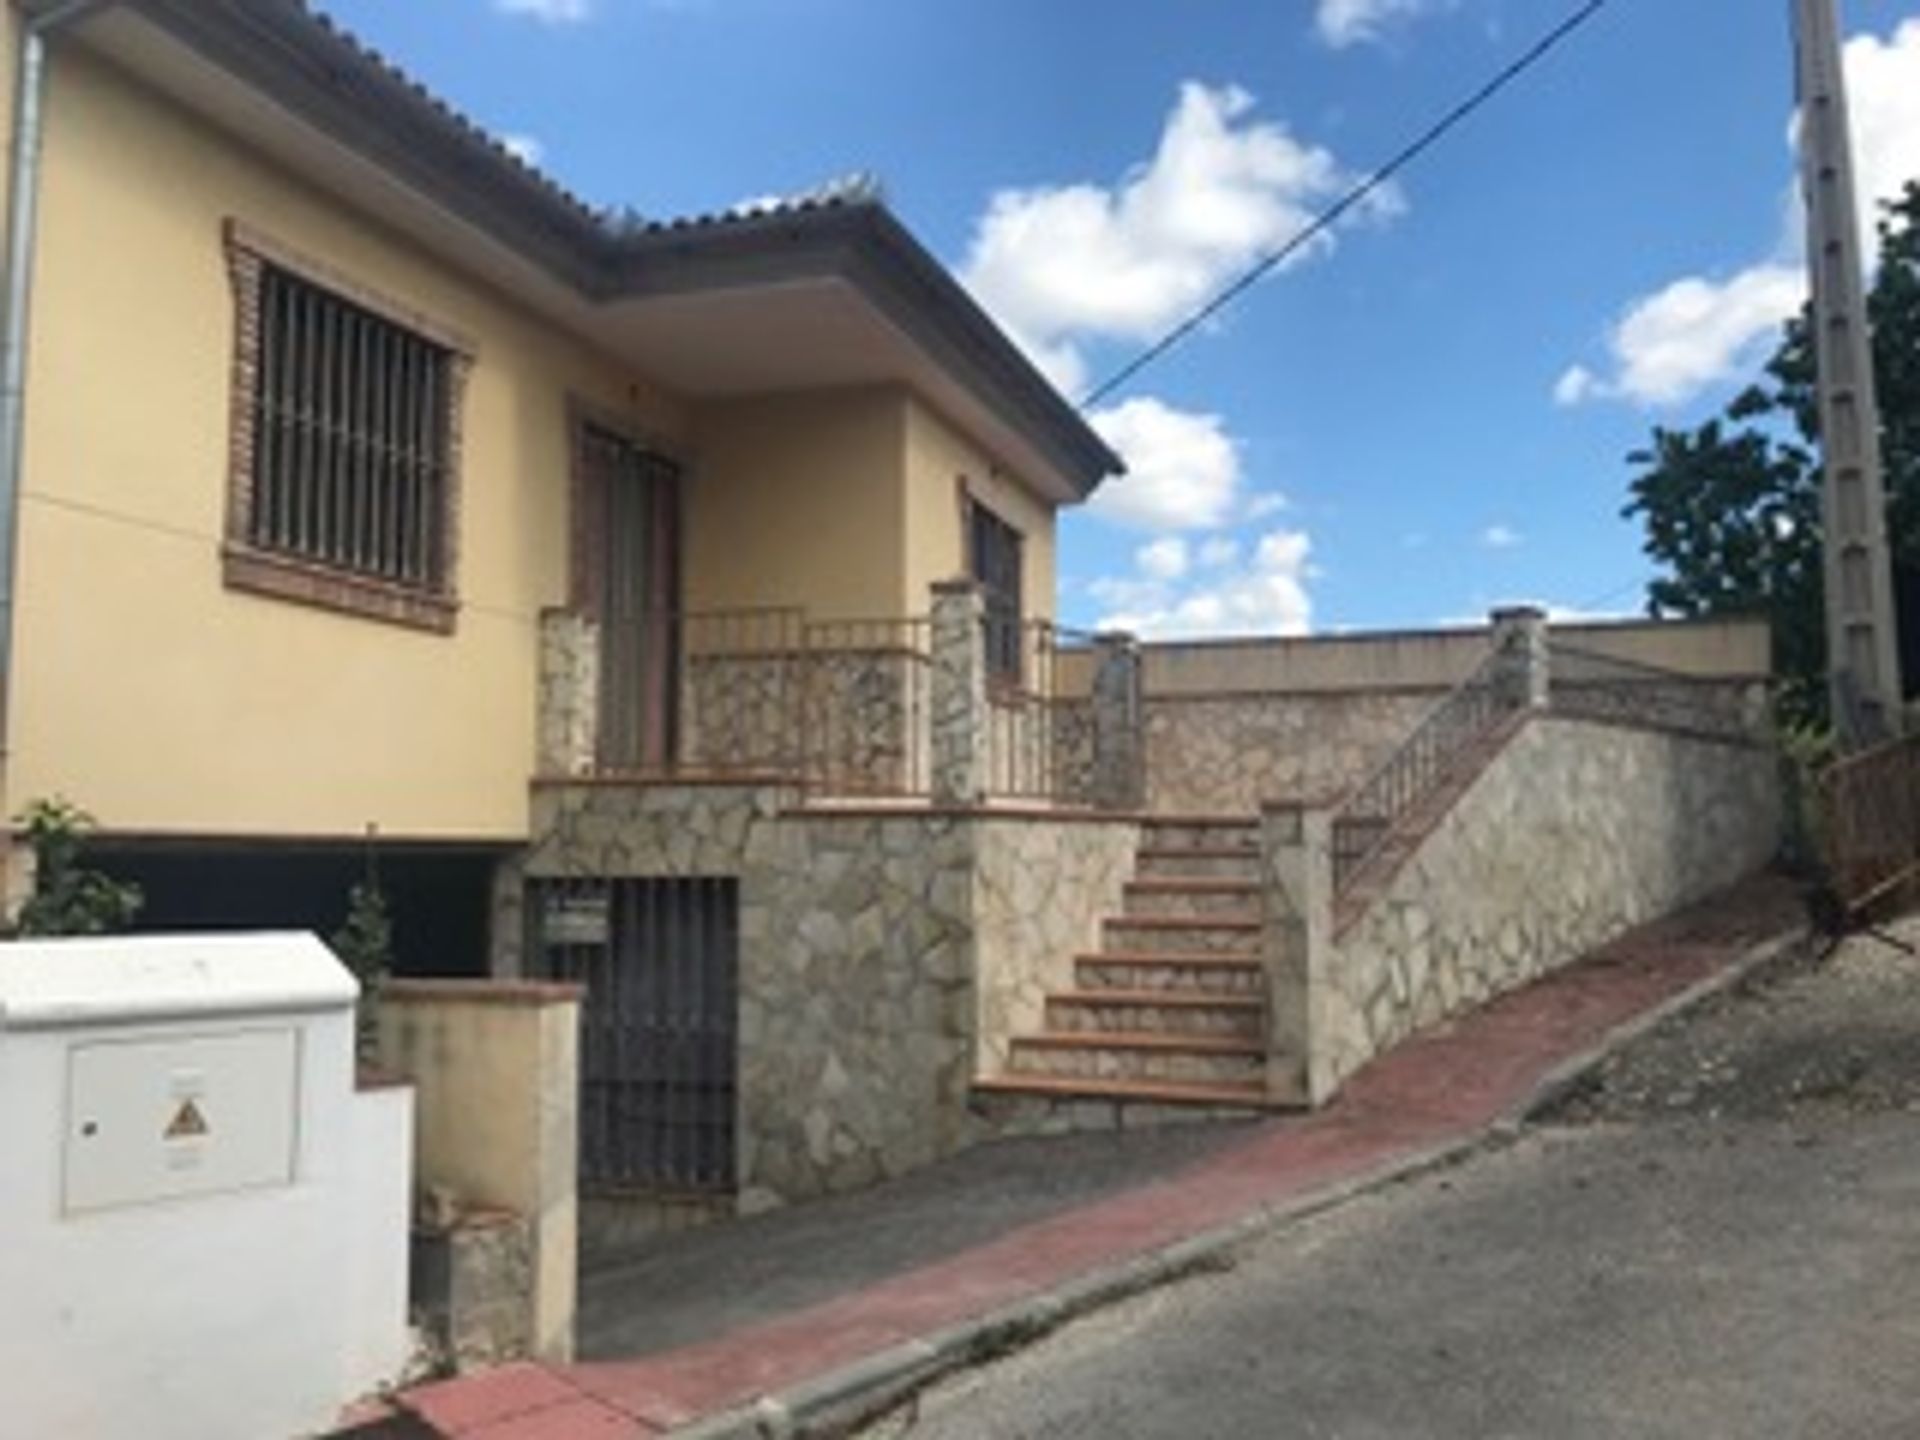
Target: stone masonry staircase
[1172,1009]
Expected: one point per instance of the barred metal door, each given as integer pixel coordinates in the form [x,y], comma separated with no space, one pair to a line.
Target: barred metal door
[658,1044]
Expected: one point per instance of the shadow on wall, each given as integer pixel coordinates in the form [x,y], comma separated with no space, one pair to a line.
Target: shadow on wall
[439,897]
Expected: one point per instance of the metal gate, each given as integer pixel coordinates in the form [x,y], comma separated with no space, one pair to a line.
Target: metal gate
[658,1044]
[1870,809]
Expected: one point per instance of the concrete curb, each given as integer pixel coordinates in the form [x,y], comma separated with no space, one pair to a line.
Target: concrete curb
[1566,1077]
[835,1403]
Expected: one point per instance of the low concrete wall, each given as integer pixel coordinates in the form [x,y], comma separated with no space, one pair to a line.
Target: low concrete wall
[1438,659]
[885,955]
[1573,833]
[495,1067]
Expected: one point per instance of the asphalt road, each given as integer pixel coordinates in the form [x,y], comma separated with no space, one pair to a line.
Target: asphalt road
[1720,1239]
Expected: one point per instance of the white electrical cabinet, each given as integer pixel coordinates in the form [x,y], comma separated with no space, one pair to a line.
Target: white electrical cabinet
[158,1119]
[189,1246]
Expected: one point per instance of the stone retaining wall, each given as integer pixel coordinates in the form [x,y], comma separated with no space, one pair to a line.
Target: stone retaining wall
[1040,890]
[1575,832]
[882,954]
[1227,754]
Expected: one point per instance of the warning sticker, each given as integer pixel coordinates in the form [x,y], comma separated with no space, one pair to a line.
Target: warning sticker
[187,1123]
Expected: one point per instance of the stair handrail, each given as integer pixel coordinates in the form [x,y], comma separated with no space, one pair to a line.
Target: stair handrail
[1418,765]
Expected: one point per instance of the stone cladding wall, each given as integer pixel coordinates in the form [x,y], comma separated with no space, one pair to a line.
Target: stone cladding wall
[1574,833]
[878,951]
[1226,754]
[1040,890]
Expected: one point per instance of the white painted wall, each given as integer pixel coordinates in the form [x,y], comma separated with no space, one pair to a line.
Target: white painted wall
[381,1200]
[245,1313]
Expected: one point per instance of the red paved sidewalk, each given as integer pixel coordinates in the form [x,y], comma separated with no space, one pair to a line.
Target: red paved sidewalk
[1443,1089]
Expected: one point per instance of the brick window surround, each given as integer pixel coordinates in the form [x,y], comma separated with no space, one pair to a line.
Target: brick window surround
[430,604]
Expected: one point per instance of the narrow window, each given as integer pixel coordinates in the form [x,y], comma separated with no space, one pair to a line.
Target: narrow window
[994,547]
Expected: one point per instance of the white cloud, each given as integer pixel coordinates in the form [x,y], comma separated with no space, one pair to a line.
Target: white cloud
[1061,265]
[1671,345]
[1183,469]
[1219,550]
[1699,331]
[548,12]
[1500,537]
[1163,559]
[527,149]
[1341,23]
[1576,383]
[1883,94]
[1267,596]
[1266,503]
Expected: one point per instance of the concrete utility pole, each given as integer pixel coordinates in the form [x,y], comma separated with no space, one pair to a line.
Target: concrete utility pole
[1863,652]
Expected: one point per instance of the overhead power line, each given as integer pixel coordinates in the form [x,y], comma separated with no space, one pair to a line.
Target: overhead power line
[1330,216]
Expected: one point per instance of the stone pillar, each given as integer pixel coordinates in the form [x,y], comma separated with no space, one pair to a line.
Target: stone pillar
[1119,749]
[1520,639]
[959,694]
[1296,885]
[569,721]
[495,1070]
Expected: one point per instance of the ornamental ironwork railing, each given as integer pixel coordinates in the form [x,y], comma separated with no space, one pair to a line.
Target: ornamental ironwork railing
[1589,685]
[1040,714]
[1422,763]
[838,704]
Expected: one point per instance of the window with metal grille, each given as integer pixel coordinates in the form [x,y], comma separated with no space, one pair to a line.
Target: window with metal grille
[994,547]
[350,447]
[346,452]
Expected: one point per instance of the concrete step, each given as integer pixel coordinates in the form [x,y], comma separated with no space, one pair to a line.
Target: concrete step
[1163,1012]
[1174,1059]
[1226,862]
[1208,898]
[1201,832]
[1184,934]
[1228,975]
[1085,1104]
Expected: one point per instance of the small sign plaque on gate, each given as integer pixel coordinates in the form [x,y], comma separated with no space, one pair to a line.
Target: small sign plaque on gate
[575,920]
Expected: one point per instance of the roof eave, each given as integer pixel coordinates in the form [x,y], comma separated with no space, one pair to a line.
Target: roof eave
[331,83]
[867,247]
[321,76]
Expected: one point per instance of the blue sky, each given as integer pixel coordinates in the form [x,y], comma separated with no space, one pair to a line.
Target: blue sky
[1426,417]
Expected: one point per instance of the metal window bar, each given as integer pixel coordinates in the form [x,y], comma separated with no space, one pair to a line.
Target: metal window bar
[1417,768]
[659,1043]
[352,441]
[1590,685]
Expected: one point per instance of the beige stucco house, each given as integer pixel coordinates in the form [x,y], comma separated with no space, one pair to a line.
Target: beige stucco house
[330,399]
[667,607]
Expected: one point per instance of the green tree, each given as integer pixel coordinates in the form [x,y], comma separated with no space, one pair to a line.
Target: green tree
[1731,508]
